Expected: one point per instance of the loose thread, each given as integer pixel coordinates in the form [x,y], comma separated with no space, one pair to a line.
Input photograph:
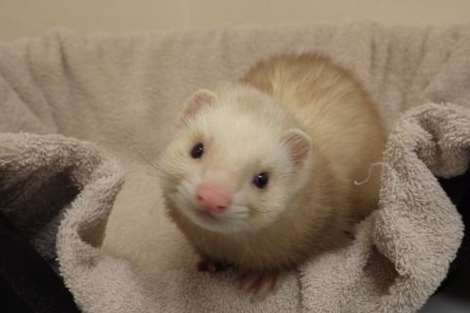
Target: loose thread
[369,174]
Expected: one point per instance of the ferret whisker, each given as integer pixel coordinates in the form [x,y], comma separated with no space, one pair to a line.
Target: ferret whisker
[148,162]
[139,153]
[267,160]
[261,212]
[241,215]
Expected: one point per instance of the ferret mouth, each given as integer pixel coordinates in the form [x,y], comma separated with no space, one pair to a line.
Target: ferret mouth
[184,204]
[206,215]
[232,220]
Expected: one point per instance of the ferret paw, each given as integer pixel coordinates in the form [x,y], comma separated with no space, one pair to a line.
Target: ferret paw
[207,265]
[260,285]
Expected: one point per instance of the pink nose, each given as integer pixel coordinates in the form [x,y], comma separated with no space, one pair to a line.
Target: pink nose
[215,199]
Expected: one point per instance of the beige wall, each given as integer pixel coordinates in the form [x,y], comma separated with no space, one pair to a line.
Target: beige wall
[31,17]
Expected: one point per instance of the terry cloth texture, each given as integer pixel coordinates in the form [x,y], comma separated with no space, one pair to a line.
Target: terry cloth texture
[124,92]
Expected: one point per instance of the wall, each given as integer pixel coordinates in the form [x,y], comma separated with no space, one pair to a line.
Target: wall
[31,17]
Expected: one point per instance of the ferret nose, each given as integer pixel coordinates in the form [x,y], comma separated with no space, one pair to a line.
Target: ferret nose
[213,198]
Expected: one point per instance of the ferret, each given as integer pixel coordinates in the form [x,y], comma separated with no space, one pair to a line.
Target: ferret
[261,172]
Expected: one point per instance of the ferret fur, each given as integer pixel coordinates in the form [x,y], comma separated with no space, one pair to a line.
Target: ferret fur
[250,126]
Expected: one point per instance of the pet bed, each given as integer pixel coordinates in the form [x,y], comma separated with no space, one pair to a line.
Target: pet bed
[83,117]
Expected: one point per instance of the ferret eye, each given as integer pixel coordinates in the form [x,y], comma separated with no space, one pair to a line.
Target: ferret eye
[197,151]
[261,180]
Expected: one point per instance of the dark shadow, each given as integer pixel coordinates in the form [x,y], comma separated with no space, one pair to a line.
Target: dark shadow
[453,296]
[457,282]
[30,213]
[34,207]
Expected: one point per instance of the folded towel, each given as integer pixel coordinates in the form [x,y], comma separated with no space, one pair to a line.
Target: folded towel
[124,92]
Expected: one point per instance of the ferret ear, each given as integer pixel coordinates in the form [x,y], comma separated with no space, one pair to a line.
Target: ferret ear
[197,101]
[299,144]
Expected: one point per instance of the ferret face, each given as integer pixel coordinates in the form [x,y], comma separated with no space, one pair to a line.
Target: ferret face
[229,170]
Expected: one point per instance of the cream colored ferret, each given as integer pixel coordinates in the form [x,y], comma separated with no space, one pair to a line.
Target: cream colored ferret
[261,173]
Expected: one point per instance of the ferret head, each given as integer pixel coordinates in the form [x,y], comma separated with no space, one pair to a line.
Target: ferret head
[236,163]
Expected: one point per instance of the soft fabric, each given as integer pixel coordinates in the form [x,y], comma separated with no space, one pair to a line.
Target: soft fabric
[124,93]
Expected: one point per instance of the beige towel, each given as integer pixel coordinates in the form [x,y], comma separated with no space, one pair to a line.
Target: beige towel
[123,92]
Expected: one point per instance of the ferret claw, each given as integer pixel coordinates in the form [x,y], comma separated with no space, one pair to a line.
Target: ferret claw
[259,284]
